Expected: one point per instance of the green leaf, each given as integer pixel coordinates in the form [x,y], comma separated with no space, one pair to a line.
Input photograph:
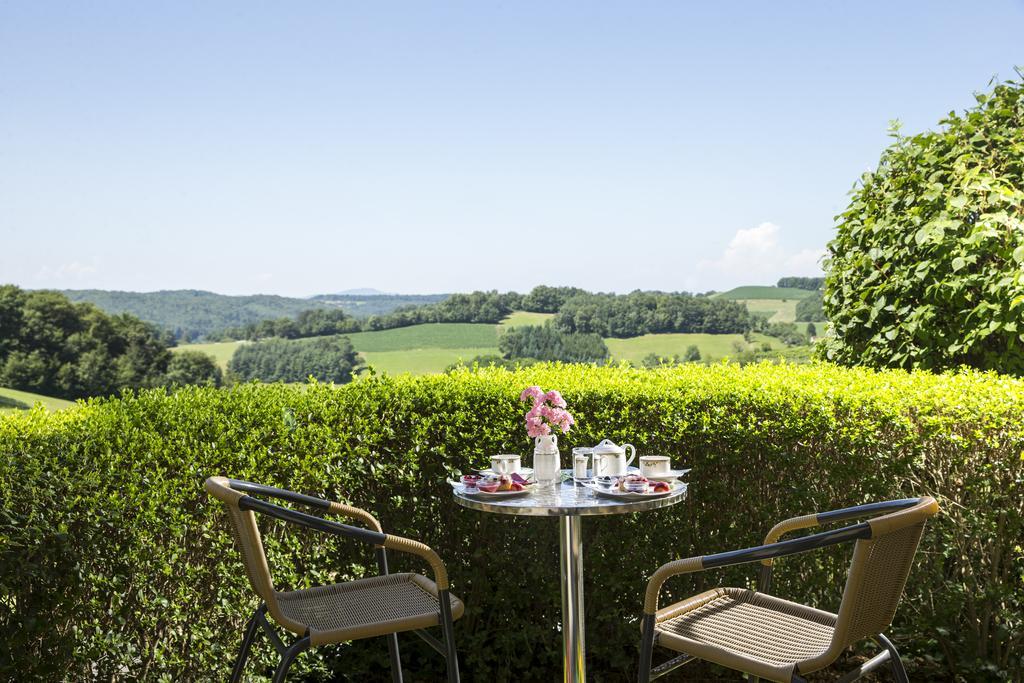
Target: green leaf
[958,263]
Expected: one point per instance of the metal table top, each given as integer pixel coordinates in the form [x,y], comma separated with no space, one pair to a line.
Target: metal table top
[567,498]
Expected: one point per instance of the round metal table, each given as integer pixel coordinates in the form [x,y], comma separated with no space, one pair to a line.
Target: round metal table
[570,503]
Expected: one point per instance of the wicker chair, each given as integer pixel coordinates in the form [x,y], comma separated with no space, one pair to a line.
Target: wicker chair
[383,605]
[778,640]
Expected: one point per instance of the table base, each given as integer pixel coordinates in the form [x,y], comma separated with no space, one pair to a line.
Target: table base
[570,529]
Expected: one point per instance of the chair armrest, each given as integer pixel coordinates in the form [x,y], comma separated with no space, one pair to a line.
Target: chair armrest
[842,515]
[665,572]
[303,499]
[355,513]
[787,525]
[407,545]
[747,555]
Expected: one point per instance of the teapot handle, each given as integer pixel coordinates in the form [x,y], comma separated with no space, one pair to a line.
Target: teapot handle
[629,448]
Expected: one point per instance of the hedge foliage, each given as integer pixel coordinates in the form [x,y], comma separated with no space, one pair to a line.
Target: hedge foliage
[114,564]
[927,266]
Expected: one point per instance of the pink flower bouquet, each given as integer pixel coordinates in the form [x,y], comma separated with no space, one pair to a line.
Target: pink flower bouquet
[548,412]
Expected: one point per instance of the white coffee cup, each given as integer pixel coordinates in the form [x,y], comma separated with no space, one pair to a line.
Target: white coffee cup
[655,465]
[505,463]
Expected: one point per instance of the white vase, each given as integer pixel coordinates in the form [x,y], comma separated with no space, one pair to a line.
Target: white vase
[546,465]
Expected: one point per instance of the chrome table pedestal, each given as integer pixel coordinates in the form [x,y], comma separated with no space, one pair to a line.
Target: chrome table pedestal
[570,503]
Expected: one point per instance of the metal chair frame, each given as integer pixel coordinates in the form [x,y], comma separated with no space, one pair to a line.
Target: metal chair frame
[775,549]
[288,652]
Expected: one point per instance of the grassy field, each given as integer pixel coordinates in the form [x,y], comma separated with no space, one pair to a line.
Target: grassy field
[221,351]
[774,310]
[429,336]
[421,361]
[418,349]
[423,349]
[12,400]
[758,292]
[521,318]
[711,345]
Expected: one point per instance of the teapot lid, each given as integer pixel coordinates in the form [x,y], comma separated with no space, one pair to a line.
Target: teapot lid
[607,447]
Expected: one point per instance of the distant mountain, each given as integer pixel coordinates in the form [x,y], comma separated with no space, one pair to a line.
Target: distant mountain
[191,313]
[361,291]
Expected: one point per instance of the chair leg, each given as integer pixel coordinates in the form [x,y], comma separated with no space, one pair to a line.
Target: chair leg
[898,672]
[646,649]
[243,654]
[449,636]
[396,659]
[288,657]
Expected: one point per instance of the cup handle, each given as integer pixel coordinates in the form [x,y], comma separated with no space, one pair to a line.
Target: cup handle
[629,447]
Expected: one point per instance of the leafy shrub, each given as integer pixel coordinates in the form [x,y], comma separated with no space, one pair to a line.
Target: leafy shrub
[327,359]
[113,563]
[927,268]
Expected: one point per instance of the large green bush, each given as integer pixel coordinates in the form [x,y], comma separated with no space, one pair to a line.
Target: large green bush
[927,268]
[114,564]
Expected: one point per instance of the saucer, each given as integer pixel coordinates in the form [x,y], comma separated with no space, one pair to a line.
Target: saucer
[669,476]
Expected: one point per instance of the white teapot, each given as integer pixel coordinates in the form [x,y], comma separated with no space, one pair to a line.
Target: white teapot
[610,460]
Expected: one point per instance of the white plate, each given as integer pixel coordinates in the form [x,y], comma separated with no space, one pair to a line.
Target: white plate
[668,476]
[477,493]
[524,472]
[628,495]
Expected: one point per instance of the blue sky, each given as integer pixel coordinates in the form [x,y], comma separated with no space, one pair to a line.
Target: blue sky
[299,148]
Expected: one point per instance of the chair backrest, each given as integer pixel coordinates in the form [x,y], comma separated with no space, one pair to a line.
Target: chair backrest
[878,573]
[247,535]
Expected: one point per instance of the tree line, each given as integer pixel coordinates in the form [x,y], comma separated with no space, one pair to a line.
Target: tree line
[638,313]
[607,315]
[812,284]
[52,346]
[327,359]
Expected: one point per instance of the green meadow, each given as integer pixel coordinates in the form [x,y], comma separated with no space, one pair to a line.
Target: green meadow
[12,401]
[635,349]
[432,347]
[759,292]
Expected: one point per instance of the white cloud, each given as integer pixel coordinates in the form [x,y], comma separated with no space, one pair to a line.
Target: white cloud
[66,272]
[754,256]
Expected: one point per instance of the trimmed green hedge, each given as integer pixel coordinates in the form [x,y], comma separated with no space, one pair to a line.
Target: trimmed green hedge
[113,563]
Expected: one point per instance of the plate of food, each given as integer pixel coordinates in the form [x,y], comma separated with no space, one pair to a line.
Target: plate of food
[492,486]
[634,487]
[525,472]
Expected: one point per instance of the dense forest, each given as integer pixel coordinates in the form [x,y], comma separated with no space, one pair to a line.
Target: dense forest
[328,359]
[811,308]
[310,323]
[545,343]
[812,284]
[52,346]
[637,313]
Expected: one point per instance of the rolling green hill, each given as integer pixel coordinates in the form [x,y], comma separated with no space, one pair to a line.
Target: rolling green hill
[12,400]
[191,314]
[432,347]
[428,336]
[759,292]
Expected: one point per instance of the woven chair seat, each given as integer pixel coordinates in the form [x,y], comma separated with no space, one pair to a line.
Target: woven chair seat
[366,607]
[746,630]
